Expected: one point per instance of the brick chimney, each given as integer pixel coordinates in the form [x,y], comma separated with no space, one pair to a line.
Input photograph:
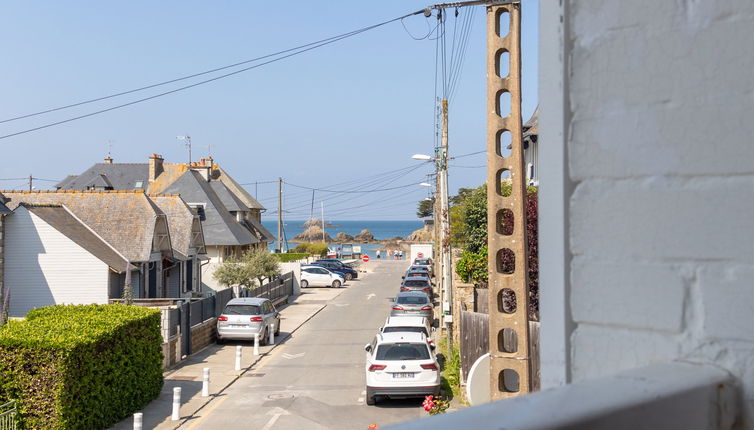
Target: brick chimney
[108,160]
[155,167]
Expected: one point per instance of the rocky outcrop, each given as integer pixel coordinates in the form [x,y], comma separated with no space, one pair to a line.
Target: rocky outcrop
[342,238]
[312,234]
[364,237]
[424,234]
[312,222]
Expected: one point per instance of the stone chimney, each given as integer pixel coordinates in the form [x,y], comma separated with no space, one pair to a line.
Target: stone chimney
[155,167]
[108,160]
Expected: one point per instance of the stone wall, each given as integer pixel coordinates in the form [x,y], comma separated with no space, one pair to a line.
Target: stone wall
[171,352]
[203,335]
[647,176]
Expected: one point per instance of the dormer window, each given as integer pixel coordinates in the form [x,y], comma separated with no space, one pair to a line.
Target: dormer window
[139,184]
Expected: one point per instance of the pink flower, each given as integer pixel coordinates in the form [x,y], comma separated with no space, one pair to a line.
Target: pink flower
[428,403]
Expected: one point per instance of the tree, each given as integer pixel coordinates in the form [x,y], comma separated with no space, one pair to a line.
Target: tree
[253,268]
[426,208]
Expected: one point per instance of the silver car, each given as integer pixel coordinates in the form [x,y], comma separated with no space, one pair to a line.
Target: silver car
[245,317]
[412,303]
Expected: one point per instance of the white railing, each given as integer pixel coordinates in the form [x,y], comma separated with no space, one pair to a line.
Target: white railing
[8,416]
[665,396]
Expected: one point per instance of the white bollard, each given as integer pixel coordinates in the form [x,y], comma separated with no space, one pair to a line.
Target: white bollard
[138,419]
[272,334]
[205,382]
[238,357]
[256,344]
[176,404]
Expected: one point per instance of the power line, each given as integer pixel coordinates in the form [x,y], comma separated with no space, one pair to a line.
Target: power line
[298,50]
[355,192]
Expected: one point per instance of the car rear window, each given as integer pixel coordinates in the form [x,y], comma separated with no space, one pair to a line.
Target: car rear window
[242,310]
[412,300]
[406,329]
[415,283]
[402,351]
[421,261]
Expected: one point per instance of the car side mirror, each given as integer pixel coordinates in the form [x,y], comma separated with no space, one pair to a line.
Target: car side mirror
[367,347]
[432,346]
[403,277]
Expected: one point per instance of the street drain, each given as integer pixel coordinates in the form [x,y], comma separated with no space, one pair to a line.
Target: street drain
[279,396]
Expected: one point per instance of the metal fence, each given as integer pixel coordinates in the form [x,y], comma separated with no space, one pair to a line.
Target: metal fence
[277,288]
[8,416]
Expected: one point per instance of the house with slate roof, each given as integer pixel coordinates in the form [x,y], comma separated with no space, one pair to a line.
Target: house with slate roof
[230,217]
[79,246]
[3,212]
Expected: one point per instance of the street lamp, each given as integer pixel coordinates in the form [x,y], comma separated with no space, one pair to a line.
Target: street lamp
[423,157]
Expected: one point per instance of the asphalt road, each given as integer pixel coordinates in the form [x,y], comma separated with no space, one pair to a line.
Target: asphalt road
[315,380]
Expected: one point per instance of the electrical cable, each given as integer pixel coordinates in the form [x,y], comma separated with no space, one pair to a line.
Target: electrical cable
[309,47]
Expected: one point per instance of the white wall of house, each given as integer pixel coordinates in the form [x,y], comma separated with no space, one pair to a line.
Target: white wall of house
[43,267]
[647,187]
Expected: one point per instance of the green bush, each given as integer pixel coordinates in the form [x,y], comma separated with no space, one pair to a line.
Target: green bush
[472,267]
[291,256]
[312,248]
[81,366]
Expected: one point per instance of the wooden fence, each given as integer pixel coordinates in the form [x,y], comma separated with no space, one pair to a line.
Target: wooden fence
[475,328]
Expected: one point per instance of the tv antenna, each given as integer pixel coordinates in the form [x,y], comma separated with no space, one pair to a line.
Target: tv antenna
[187,139]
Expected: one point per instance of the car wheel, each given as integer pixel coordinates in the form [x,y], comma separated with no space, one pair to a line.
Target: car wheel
[371,399]
[336,284]
[304,283]
[349,276]
[277,329]
[265,337]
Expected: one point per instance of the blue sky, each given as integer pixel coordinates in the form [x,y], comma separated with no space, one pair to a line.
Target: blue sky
[337,117]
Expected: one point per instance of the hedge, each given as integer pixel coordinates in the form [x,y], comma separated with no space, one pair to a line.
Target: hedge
[81,366]
[312,248]
[291,256]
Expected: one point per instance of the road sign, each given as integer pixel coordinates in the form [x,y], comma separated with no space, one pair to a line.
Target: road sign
[365,258]
[420,255]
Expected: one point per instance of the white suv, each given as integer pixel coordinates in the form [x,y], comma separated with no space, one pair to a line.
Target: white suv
[398,324]
[316,276]
[400,365]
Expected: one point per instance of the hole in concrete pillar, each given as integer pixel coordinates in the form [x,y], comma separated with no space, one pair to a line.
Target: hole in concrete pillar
[502,63]
[506,301]
[504,182]
[505,222]
[503,23]
[506,261]
[507,340]
[507,381]
[503,103]
[504,140]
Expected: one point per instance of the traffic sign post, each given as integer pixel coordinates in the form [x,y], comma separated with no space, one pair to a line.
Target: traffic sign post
[365,258]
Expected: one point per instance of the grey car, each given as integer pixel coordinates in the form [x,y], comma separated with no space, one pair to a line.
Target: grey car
[412,303]
[245,317]
[417,283]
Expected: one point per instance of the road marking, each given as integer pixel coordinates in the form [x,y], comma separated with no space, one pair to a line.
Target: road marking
[276,413]
[361,400]
[340,305]
[363,393]
[370,295]
[207,412]
[267,359]
[292,356]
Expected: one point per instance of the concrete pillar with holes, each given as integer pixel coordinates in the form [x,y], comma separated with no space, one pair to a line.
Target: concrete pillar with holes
[508,290]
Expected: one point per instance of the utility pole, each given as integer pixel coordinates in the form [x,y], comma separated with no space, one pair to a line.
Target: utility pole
[322,204]
[442,180]
[31,187]
[510,372]
[280,215]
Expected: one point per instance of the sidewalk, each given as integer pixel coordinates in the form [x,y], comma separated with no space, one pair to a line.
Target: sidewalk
[221,361]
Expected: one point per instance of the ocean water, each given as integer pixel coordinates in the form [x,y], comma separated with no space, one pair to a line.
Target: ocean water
[380,229]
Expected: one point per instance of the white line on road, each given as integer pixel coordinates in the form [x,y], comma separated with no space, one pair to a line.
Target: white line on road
[370,295]
[361,400]
[276,413]
[340,305]
[292,356]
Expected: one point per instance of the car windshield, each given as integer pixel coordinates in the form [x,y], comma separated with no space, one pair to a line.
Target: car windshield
[421,261]
[402,351]
[242,310]
[412,300]
[406,329]
[415,283]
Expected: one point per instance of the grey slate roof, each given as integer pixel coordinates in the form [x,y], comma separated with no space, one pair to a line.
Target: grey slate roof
[180,222]
[230,201]
[238,190]
[4,209]
[220,228]
[62,220]
[121,176]
[124,219]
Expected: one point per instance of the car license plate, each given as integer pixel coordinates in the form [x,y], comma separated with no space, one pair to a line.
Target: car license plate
[238,325]
[402,375]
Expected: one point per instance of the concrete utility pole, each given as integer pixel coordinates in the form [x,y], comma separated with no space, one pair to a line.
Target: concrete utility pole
[31,184]
[280,215]
[446,266]
[510,371]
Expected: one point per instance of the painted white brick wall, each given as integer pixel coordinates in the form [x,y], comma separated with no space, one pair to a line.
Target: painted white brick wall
[658,130]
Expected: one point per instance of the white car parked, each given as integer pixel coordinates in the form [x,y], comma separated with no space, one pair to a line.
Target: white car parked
[404,324]
[400,365]
[317,276]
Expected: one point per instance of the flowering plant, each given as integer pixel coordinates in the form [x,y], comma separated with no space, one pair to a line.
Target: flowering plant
[435,405]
